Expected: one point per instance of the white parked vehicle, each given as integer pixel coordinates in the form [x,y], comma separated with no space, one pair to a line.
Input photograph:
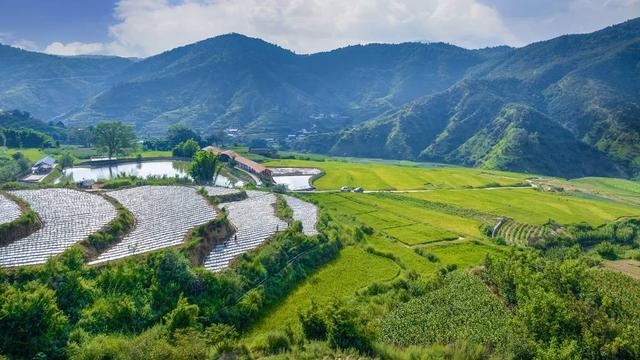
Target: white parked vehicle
[345,189]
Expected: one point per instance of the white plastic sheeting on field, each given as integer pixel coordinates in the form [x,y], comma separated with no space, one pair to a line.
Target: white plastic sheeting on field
[255,222]
[304,212]
[9,210]
[164,215]
[68,217]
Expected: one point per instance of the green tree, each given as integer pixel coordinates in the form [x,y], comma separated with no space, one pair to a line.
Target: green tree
[186,149]
[183,316]
[31,322]
[180,133]
[204,167]
[66,160]
[113,137]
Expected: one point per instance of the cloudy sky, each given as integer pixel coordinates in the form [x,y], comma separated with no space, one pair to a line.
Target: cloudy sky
[142,28]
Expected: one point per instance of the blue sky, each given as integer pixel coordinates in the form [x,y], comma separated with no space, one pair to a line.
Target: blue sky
[147,27]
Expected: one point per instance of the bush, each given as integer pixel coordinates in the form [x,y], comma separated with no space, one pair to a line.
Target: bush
[424,253]
[273,343]
[313,322]
[186,149]
[607,250]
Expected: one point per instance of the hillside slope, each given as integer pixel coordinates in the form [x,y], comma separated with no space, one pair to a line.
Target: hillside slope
[568,106]
[48,85]
[236,81]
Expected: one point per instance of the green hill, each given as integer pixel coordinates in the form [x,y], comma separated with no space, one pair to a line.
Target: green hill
[568,107]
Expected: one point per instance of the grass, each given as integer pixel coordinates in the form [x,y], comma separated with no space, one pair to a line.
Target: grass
[628,190]
[32,154]
[151,154]
[530,206]
[415,224]
[376,176]
[352,270]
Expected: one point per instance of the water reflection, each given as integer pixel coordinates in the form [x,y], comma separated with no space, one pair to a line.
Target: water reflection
[141,169]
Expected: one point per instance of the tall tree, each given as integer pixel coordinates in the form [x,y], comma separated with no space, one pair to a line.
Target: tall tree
[180,133]
[113,137]
[204,167]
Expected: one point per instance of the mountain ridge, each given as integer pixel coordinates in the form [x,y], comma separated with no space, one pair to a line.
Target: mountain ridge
[417,101]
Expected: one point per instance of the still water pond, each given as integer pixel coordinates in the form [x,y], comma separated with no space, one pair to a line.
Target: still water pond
[141,169]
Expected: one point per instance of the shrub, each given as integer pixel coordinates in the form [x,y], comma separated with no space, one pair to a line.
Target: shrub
[607,250]
[313,322]
[273,343]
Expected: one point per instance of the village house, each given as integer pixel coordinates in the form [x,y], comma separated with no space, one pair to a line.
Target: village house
[43,166]
[242,163]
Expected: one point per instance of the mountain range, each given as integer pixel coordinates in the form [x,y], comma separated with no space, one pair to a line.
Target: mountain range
[569,106]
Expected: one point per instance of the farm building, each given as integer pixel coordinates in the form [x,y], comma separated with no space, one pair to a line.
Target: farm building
[243,163]
[43,166]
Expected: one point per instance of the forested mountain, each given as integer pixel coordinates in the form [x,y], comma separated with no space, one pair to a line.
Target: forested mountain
[236,81]
[48,85]
[568,106]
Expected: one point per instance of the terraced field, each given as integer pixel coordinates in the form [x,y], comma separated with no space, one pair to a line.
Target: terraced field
[255,222]
[530,206]
[305,212]
[164,215]
[519,233]
[376,176]
[405,220]
[9,210]
[68,216]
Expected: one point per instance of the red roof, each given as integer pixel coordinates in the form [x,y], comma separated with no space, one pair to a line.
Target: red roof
[241,159]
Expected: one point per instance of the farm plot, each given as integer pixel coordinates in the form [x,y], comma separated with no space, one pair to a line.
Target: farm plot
[68,216]
[530,206]
[164,215]
[519,233]
[255,222]
[9,210]
[400,217]
[377,176]
[220,191]
[304,212]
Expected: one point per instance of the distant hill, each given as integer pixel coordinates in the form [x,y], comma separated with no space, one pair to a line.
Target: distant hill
[236,81]
[48,85]
[567,106]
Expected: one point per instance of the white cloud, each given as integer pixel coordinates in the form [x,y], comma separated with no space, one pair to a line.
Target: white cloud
[26,45]
[147,27]
[544,19]
[74,48]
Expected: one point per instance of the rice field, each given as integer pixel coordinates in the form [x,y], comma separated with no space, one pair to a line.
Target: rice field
[405,220]
[530,206]
[255,222]
[305,212]
[354,269]
[377,176]
[164,215]
[9,210]
[68,216]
